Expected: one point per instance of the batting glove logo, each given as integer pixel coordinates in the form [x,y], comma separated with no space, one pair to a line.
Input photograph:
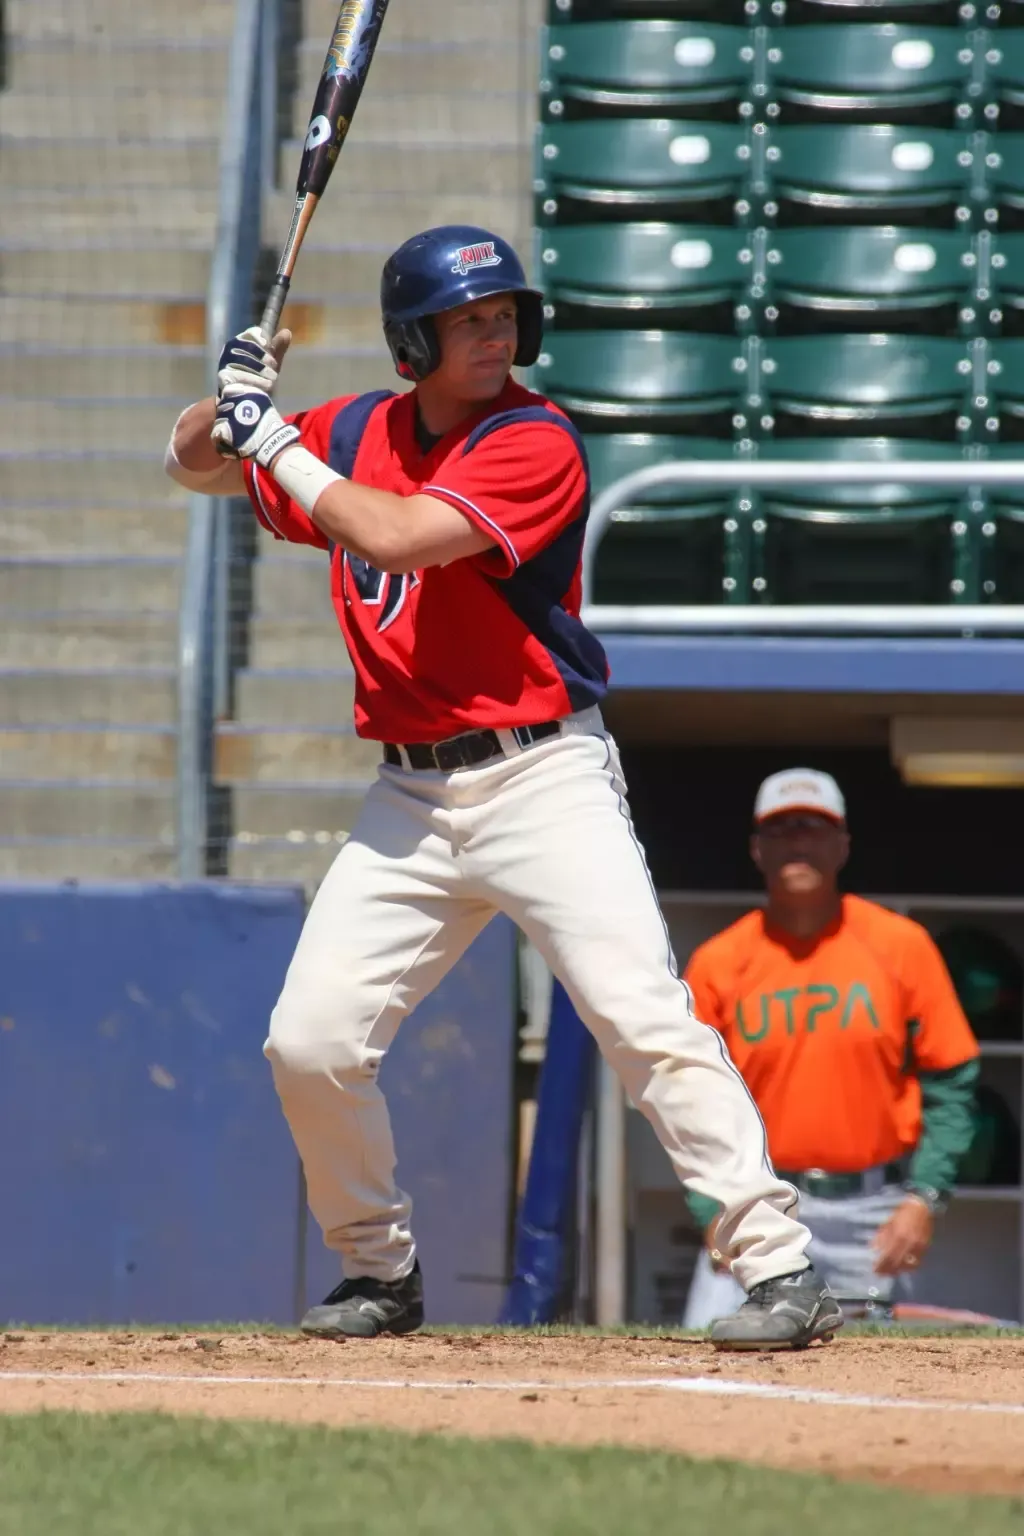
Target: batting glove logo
[247,413]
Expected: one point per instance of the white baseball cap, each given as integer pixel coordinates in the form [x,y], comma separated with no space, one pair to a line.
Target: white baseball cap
[800,789]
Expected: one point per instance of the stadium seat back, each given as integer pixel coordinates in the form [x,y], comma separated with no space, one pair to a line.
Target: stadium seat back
[871,278]
[690,276]
[872,73]
[652,68]
[871,174]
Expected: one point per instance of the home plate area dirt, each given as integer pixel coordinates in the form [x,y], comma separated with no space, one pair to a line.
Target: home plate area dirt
[943,1414]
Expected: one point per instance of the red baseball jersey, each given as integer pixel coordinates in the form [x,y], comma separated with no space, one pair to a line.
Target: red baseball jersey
[491,640]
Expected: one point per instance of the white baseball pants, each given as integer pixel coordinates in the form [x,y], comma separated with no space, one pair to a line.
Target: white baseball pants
[544,835]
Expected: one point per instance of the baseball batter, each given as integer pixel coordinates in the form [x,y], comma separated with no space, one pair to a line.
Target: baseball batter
[452,520]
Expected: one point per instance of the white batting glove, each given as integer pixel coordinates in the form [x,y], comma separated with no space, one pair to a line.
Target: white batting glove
[249,426]
[249,361]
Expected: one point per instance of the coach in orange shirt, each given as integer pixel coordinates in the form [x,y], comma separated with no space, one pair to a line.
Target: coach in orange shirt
[843,1020]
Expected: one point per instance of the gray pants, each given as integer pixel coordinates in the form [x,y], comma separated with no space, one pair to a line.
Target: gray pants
[842,1232]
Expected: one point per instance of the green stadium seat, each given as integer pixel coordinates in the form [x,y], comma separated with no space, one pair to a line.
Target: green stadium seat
[673,544]
[873,73]
[871,174]
[871,279]
[650,381]
[1003,534]
[887,544]
[645,69]
[639,168]
[667,275]
[1005,176]
[732,11]
[1006,277]
[1006,369]
[935,13]
[1006,69]
[867,386]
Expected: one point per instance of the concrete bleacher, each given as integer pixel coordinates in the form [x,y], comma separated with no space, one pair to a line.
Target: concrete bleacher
[110,117]
[442,135]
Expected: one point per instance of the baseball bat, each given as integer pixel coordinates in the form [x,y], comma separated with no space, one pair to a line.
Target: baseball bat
[341,84]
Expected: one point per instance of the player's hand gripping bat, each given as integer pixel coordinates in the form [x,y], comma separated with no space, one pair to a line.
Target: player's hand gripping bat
[341,85]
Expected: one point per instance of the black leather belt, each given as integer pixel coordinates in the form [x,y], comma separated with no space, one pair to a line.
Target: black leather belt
[465,751]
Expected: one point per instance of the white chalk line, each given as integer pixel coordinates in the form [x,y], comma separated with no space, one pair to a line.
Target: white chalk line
[698,1385]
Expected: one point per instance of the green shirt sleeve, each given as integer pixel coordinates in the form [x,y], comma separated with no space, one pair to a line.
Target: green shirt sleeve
[947,1107]
[703,1209]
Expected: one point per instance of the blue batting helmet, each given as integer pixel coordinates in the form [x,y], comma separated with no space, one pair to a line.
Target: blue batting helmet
[439,270]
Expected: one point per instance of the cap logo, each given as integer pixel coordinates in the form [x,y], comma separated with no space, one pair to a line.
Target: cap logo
[469,257]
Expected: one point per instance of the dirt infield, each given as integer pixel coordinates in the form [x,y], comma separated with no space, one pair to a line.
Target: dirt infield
[934,1413]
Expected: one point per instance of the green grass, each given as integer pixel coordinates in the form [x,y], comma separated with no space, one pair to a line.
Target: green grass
[64,1474]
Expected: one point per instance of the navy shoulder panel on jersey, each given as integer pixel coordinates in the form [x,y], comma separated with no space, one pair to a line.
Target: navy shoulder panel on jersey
[348,428]
[537,589]
[525,413]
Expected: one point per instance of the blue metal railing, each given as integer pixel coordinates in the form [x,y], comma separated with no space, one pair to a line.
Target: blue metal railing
[203,626]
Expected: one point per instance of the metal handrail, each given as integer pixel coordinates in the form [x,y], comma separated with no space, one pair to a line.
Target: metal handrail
[754,475]
[202,618]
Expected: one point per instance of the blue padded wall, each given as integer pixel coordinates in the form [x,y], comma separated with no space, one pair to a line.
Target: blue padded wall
[147,1173]
[448,1080]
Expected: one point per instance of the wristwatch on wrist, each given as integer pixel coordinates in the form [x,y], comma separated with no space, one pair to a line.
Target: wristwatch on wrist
[935,1199]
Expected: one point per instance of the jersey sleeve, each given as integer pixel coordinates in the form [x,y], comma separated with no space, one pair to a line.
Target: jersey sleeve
[941,1035]
[276,511]
[522,485]
[701,976]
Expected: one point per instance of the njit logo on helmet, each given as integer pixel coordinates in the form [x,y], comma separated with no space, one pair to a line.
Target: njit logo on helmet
[469,257]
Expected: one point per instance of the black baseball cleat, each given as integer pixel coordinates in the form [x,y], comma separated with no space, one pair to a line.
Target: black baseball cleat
[788,1312]
[362,1308]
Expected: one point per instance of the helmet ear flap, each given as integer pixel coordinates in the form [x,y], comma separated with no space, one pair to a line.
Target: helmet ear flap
[413,347]
[530,325]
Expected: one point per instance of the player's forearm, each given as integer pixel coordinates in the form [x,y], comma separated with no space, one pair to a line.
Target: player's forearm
[192,460]
[375,525]
[192,444]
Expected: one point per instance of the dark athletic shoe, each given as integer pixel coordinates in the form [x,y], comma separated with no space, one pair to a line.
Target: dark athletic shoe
[363,1308]
[786,1313]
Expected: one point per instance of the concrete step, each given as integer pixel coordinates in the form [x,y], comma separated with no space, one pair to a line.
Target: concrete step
[262,755]
[81,425]
[50,532]
[352,321]
[69,808]
[118,72]
[423,21]
[318,374]
[185,217]
[448,67]
[164,374]
[87,640]
[68,21]
[88,752]
[83,479]
[135,584]
[389,215]
[290,698]
[86,323]
[137,697]
[103,271]
[295,812]
[288,642]
[276,859]
[292,583]
[82,164]
[120,113]
[86,859]
[414,167]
